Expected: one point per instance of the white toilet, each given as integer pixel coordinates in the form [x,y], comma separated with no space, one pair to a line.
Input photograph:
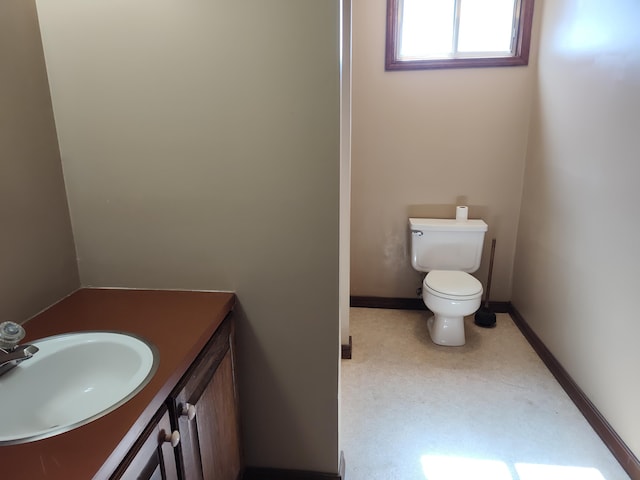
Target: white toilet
[449,250]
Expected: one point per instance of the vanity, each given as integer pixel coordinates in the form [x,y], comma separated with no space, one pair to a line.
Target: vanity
[183,425]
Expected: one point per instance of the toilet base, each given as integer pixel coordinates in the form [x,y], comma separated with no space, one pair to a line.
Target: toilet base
[446,330]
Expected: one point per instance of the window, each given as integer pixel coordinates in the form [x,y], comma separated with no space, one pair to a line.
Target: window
[424,34]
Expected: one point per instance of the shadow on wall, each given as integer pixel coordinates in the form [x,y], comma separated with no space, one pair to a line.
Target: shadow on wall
[263,400]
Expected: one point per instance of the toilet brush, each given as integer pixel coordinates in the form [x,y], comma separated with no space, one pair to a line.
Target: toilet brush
[485,317]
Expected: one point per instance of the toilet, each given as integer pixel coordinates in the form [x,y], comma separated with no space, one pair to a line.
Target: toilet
[449,250]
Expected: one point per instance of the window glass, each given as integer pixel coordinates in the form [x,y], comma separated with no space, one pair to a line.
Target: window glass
[427,28]
[486,26]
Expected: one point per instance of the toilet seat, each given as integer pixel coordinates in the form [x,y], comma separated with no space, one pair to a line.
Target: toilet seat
[452,284]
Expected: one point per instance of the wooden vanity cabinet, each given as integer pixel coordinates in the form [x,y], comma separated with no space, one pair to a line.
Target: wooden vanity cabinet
[204,410]
[152,457]
[202,415]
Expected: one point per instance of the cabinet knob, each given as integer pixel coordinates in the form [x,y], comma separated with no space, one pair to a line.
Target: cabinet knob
[173,438]
[189,411]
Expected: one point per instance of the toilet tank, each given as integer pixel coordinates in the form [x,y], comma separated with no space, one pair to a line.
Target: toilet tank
[444,244]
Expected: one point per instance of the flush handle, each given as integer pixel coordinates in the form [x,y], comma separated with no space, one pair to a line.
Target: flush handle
[417,233]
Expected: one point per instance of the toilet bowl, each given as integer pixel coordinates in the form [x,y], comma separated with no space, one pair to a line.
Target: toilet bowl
[450,295]
[449,250]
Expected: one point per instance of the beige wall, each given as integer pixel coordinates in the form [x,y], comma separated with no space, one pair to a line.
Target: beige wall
[200,142]
[37,255]
[577,262]
[422,142]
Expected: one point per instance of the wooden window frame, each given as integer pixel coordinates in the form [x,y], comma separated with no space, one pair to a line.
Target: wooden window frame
[520,55]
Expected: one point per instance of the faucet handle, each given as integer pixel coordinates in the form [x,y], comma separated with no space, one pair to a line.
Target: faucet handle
[10,334]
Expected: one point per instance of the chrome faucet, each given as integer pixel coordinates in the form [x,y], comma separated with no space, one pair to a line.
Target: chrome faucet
[11,354]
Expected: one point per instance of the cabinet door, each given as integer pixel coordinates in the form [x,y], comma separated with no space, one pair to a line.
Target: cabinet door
[210,447]
[152,457]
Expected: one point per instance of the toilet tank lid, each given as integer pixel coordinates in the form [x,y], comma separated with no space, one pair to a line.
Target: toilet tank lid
[444,224]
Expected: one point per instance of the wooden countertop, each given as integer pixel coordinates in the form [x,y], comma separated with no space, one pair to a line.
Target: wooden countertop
[178,323]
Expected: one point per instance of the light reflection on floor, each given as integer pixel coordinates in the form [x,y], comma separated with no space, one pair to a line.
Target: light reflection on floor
[440,467]
[528,471]
[437,467]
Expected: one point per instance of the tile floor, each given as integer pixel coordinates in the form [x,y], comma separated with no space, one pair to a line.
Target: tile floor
[413,410]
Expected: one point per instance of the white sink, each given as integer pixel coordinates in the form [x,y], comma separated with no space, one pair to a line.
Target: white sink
[72,380]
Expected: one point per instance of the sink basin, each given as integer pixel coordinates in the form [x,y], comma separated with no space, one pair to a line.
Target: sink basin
[72,380]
